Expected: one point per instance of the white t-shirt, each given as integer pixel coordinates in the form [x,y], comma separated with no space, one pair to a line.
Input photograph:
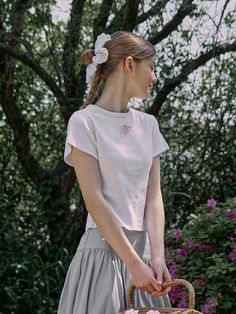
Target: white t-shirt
[124,143]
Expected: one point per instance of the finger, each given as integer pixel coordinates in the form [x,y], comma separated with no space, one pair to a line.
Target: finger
[141,288]
[161,293]
[159,278]
[156,286]
[154,273]
[167,275]
[150,289]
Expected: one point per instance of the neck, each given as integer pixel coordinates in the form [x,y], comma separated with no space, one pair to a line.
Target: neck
[114,97]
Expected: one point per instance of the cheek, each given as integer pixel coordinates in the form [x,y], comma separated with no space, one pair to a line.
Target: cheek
[145,75]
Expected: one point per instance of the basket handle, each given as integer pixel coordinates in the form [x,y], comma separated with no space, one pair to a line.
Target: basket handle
[167,284]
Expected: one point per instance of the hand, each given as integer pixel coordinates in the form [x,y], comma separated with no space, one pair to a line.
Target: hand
[143,277]
[158,265]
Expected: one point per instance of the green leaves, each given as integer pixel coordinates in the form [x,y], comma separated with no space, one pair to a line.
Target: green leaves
[208,239]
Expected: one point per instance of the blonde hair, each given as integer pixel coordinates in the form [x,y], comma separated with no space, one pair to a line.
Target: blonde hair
[121,45]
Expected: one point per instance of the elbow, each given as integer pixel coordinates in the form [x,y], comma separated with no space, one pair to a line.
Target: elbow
[93,201]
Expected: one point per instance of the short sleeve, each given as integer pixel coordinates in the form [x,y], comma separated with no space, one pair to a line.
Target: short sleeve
[80,133]
[159,143]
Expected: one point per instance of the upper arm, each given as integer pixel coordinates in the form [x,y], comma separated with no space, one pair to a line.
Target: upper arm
[154,184]
[81,135]
[88,175]
[81,153]
[159,143]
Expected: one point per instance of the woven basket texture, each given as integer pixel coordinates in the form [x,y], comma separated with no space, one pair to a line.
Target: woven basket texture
[165,285]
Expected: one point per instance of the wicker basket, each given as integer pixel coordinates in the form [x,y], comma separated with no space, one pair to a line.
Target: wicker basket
[166,310]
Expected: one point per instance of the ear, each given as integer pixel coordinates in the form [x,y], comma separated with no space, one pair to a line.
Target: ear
[129,65]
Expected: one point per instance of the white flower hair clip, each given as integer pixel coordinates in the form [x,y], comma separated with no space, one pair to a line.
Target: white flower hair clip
[101,55]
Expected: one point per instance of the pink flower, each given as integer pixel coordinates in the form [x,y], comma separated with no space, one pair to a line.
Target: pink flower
[172,268]
[131,311]
[177,234]
[212,203]
[205,247]
[209,307]
[176,293]
[182,305]
[232,239]
[190,244]
[182,252]
[171,265]
[232,255]
[173,294]
[199,282]
[231,215]
[182,294]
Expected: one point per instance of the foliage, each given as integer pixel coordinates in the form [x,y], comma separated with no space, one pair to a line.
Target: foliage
[32,269]
[195,116]
[204,253]
[198,123]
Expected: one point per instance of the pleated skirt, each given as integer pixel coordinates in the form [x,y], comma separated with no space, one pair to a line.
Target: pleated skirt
[97,280]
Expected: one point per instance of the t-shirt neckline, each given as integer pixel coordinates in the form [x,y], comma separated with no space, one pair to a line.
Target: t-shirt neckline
[110,113]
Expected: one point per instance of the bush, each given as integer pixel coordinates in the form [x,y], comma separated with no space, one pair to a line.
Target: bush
[32,270]
[204,253]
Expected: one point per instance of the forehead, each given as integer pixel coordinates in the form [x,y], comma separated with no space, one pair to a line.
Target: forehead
[150,61]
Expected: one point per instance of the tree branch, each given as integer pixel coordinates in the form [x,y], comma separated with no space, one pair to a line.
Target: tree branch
[5,35]
[131,15]
[70,45]
[13,114]
[42,73]
[100,22]
[117,22]
[82,85]
[18,15]
[21,141]
[154,10]
[186,7]
[190,66]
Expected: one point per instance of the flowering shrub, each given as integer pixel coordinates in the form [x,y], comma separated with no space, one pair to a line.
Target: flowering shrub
[132,311]
[204,253]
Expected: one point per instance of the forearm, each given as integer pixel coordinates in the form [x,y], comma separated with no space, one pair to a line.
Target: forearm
[112,232]
[155,219]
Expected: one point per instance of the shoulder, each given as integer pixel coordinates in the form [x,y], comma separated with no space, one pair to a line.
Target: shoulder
[143,116]
[79,114]
[81,119]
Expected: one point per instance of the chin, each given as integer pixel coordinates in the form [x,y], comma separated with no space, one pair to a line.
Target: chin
[143,96]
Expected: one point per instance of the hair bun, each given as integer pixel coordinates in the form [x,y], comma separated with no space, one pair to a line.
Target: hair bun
[87,56]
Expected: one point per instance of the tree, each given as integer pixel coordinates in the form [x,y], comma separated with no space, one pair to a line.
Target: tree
[48,53]
[42,83]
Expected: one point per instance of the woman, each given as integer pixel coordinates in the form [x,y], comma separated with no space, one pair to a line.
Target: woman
[115,152]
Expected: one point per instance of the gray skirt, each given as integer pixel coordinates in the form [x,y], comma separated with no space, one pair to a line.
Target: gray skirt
[97,280]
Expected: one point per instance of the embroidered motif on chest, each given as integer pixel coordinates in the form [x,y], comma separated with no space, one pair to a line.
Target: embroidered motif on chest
[125,130]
